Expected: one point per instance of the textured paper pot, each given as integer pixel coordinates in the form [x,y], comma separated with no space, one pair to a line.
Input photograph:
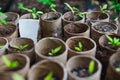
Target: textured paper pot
[92,16]
[89,46]
[95,34]
[44,67]
[4,43]
[12,17]
[46,44]
[76,29]
[118,23]
[51,25]
[29,51]
[5,76]
[22,68]
[29,27]
[70,15]
[112,74]
[83,61]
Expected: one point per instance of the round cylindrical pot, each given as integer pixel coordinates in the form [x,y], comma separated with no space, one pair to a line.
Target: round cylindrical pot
[29,51]
[83,62]
[42,68]
[101,28]
[51,24]
[118,23]
[76,29]
[29,27]
[114,62]
[97,16]
[89,46]
[23,64]
[45,45]
[68,18]
[12,17]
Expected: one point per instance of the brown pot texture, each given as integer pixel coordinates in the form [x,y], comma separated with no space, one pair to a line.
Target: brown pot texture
[51,24]
[89,46]
[112,74]
[5,76]
[29,51]
[44,46]
[76,29]
[26,16]
[67,16]
[44,67]
[22,68]
[12,17]
[96,32]
[9,31]
[97,16]
[4,43]
[118,23]
[83,61]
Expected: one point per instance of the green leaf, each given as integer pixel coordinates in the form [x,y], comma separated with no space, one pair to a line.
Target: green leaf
[16,76]
[20,6]
[52,7]
[14,64]
[49,76]
[109,38]
[77,49]
[21,47]
[1,46]
[91,67]
[80,45]
[118,69]
[69,7]
[39,12]
[6,61]
[46,2]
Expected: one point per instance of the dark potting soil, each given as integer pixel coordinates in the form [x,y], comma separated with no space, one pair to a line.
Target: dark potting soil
[6,30]
[52,55]
[81,72]
[104,27]
[116,64]
[73,18]
[54,18]
[111,47]
[53,78]
[11,18]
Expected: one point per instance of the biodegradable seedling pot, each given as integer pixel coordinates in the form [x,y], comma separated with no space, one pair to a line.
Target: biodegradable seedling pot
[68,18]
[101,28]
[42,68]
[3,45]
[114,62]
[76,29]
[29,27]
[51,25]
[12,17]
[45,45]
[118,23]
[97,16]
[89,46]
[9,31]
[29,50]
[23,64]
[83,62]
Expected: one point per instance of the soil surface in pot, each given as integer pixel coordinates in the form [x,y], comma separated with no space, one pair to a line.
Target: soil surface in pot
[80,72]
[11,17]
[112,47]
[53,18]
[16,50]
[6,30]
[71,18]
[52,55]
[116,65]
[53,77]
[103,27]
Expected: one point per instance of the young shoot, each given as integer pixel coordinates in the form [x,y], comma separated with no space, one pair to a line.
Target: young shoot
[17,76]
[81,14]
[33,11]
[48,76]
[103,8]
[1,46]
[21,47]
[113,41]
[55,51]
[79,47]
[91,66]
[8,63]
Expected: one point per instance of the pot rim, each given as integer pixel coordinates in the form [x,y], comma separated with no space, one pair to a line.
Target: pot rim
[6,42]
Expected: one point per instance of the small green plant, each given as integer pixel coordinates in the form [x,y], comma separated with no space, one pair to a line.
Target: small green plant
[17,76]
[21,47]
[33,11]
[1,46]
[103,8]
[91,66]
[48,76]
[55,51]
[118,69]
[113,41]
[2,18]
[8,63]
[79,47]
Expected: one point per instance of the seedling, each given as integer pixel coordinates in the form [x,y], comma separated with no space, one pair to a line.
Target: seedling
[113,41]
[55,51]
[17,76]
[81,14]
[8,63]
[2,18]
[48,76]
[91,67]
[1,46]
[103,8]
[79,47]
[118,69]
[21,47]
[33,11]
